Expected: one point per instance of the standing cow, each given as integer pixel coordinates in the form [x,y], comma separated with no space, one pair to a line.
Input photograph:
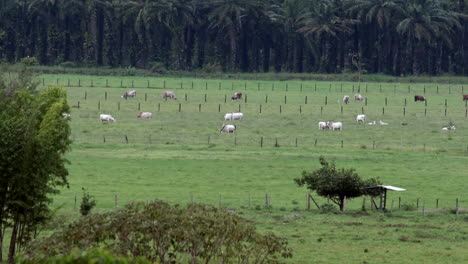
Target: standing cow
[145,115]
[107,118]
[336,126]
[324,125]
[228,129]
[234,116]
[346,99]
[360,118]
[237,95]
[358,97]
[465,97]
[419,98]
[131,93]
[169,94]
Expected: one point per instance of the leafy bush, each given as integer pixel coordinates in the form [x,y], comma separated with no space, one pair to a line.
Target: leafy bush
[29,61]
[327,208]
[408,207]
[95,255]
[163,233]
[87,203]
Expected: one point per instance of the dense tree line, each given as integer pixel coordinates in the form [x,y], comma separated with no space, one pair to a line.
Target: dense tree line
[378,36]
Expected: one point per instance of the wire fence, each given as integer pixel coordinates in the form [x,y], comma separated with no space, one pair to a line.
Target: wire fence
[260,86]
[261,201]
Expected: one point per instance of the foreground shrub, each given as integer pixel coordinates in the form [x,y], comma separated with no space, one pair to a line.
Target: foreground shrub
[163,233]
[97,255]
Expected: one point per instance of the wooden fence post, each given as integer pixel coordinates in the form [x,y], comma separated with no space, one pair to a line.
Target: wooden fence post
[99,105]
[126,139]
[437,203]
[104,139]
[305,99]
[399,202]
[139,106]
[285,99]
[118,106]
[180,107]
[146,97]
[457,208]
[261,142]
[260,109]
[159,107]
[199,107]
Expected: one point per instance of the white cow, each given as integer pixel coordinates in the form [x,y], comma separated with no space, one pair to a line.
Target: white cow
[361,118]
[324,125]
[346,99]
[234,116]
[228,129]
[382,123]
[145,115]
[107,118]
[336,126]
[373,123]
[358,97]
[449,128]
[66,116]
[131,93]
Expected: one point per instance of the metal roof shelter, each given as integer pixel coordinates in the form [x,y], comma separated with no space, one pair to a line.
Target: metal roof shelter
[383,194]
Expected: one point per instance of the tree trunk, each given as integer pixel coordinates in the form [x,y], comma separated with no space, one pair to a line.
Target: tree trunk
[233,47]
[342,203]
[12,249]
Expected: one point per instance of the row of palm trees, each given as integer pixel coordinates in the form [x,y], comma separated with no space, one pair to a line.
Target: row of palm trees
[389,36]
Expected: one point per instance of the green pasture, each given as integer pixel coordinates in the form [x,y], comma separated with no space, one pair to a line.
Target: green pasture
[181,157]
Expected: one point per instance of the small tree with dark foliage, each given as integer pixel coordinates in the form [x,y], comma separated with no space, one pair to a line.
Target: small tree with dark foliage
[87,203]
[336,184]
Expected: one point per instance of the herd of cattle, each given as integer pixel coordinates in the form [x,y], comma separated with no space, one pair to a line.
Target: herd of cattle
[230,128]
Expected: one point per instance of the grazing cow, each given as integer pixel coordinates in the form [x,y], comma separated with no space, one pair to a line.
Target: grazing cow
[169,94]
[234,116]
[324,125]
[66,116]
[346,99]
[237,95]
[336,126]
[107,118]
[145,115]
[449,128]
[358,97]
[131,93]
[228,129]
[465,97]
[361,118]
[419,98]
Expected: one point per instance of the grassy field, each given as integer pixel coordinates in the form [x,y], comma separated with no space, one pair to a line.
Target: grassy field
[181,157]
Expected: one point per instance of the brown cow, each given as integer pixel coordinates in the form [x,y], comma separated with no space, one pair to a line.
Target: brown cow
[237,95]
[465,97]
[419,98]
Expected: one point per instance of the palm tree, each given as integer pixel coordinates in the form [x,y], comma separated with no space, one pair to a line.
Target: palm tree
[323,24]
[226,16]
[378,18]
[425,23]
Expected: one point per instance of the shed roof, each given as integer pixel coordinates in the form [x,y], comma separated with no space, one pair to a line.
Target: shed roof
[389,187]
